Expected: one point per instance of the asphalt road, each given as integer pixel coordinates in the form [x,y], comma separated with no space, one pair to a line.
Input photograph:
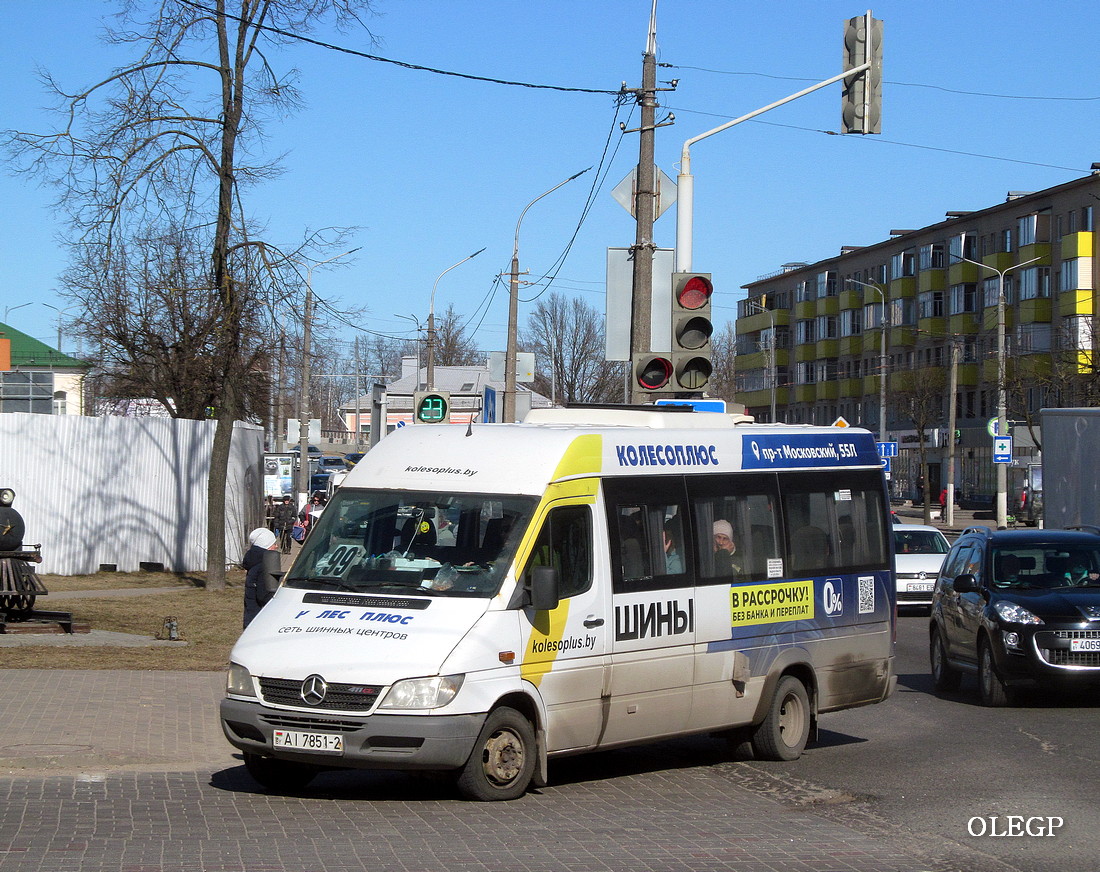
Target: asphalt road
[923,766]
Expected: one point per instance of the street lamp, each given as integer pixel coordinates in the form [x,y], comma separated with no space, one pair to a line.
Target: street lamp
[1002,400]
[773,374]
[60,313]
[881,359]
[513,311]
[8,309]
[303,402]
[431,322]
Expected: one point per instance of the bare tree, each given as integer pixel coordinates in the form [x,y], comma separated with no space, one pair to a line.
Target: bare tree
[919,397]
[156,148]
[567,337]
[724,360]
[452,346]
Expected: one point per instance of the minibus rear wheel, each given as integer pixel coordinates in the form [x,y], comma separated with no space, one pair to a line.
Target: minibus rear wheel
[279,774]
[503,759]
[785,730]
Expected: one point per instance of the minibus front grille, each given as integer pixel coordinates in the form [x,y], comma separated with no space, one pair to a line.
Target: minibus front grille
[290,722]
[338,697]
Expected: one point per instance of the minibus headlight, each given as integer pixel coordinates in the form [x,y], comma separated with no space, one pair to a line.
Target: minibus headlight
[239,681]
[423,693]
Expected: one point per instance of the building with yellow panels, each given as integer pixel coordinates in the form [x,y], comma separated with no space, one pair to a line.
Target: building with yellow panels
[810,339]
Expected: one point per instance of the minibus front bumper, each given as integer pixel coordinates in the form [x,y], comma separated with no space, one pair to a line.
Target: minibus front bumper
[377,741]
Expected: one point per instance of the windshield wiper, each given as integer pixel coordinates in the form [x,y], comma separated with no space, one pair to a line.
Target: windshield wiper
[330,580]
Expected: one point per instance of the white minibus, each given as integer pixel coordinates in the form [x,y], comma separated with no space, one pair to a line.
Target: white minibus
[480,599]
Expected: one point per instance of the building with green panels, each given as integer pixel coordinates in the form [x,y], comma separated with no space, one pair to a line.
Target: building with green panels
[38,379]
[811,340]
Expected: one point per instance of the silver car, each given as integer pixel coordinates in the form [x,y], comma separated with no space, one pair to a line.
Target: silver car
[919,552]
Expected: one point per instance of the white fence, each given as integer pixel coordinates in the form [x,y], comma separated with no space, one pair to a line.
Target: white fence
[126,491]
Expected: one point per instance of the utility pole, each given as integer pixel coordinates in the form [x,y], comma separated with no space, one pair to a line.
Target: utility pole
[952,387]
[644,206]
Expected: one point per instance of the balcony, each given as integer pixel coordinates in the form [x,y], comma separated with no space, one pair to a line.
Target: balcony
[1035,311]
[806,352]
[963,273]
[901,288]
[1075,303]
[827,390]
[758,321]
[1077,245]
[762,399]
[968,375]
[850,346]
[851,299]
[805,310]
[1040,250]
[902,336]
[934,327]
[965,322]
[932,280]
[1001,260]
[825,348]
[805,393]
[850,387]
[827,306]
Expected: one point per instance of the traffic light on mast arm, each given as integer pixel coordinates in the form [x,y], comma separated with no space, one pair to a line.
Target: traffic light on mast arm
[861,106]
[691,331]
[431,407]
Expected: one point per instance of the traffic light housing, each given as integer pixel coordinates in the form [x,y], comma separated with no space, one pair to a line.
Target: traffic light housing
[652,371]
[691,331]
[861,106]
[431,407]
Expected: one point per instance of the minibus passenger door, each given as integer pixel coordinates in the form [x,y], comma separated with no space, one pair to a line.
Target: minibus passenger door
[566,654]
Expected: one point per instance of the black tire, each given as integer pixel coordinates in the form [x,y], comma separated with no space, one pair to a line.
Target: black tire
[944,675]
[991,688]
[784,732]
[279,775]
[503,760]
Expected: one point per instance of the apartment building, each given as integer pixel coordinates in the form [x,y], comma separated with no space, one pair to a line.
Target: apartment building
[835,339]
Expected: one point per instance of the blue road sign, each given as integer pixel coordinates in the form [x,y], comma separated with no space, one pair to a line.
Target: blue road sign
[697,405]
[1002,449]
[887,449]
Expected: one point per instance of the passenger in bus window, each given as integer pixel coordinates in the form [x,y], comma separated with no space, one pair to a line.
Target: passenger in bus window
[726,561]
[674,561]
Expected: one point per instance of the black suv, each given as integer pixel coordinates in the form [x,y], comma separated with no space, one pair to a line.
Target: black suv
[1018,607]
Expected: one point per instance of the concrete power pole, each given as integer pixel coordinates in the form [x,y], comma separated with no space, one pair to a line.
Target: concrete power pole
[644,207]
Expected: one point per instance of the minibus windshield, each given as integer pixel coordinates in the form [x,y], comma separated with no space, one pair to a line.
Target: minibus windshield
[408,541]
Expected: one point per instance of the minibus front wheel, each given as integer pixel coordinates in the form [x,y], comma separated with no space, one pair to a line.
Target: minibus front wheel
[783,733]
[503,759]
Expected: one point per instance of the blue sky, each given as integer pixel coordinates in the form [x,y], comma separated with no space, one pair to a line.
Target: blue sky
[979,98]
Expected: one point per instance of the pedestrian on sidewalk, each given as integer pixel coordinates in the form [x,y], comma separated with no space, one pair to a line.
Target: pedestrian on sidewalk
[256,594]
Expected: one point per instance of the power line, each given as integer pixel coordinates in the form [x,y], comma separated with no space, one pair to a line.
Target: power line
[1042,97]
[406,65]
[880,140]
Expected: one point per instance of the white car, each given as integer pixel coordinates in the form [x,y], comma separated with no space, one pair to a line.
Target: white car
[919,552]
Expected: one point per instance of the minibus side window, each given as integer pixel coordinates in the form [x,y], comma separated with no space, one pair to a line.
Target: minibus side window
[647,526]
[735,526]
[833,522]
[565,542]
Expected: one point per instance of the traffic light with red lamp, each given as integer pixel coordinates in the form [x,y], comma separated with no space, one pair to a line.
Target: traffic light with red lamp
[652,371]
[691,331]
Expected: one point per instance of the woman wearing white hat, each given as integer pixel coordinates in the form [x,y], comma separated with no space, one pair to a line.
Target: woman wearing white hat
[255,593]
[725,549]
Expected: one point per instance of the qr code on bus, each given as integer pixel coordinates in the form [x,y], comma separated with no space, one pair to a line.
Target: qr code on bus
[866,594]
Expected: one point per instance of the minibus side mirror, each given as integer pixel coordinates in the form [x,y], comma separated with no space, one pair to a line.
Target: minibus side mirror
[272,574]
[544,588]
